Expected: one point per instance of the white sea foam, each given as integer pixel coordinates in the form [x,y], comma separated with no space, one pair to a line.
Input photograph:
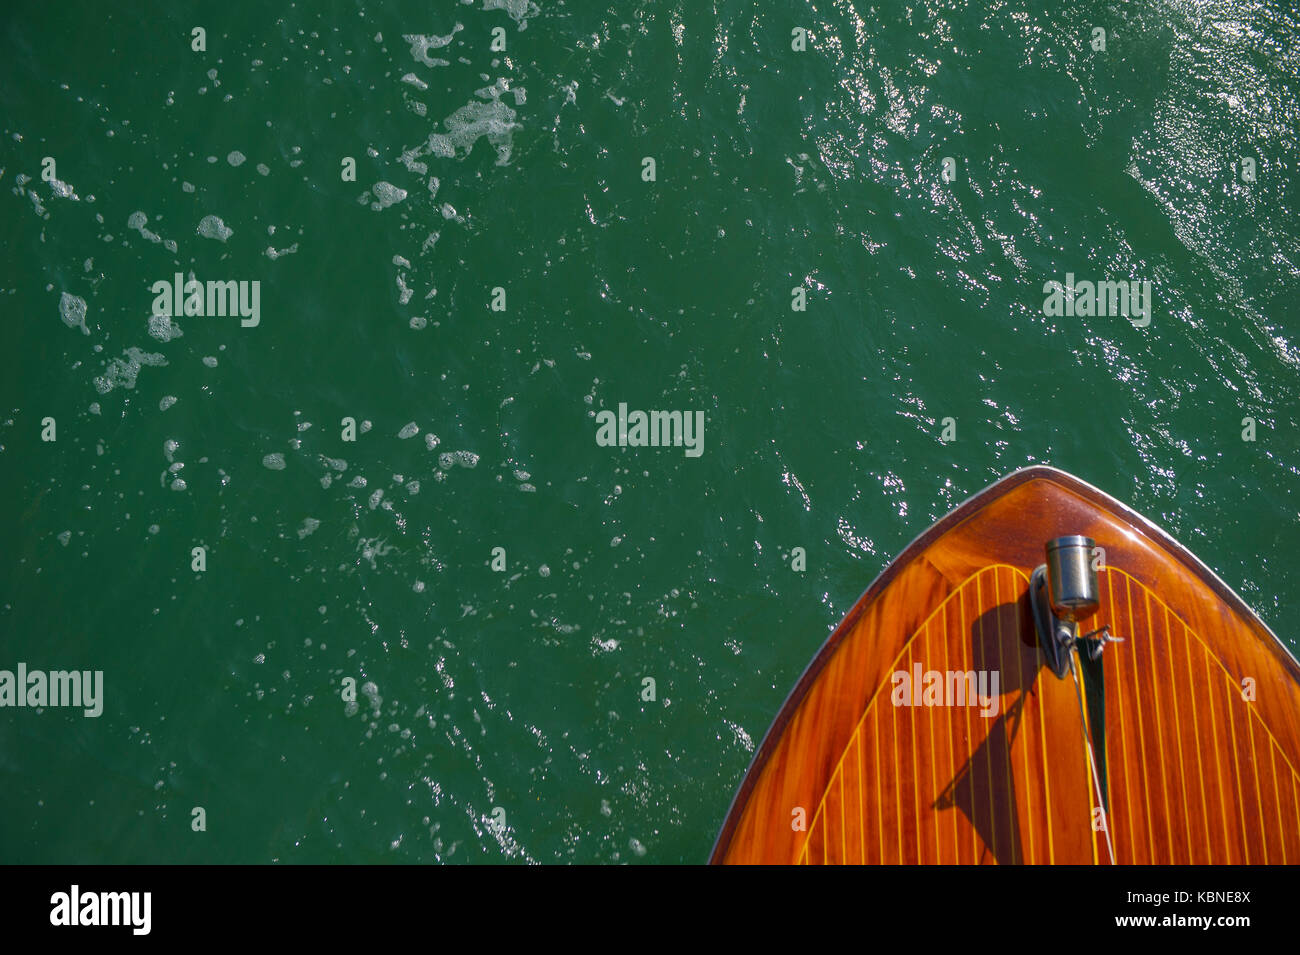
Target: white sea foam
[122,372]
[72,309]
[139,222]
[409,430]
[211,227]
[162,328]
[386,194]
[493,120]
[421,44]
[517,10]
[274,462]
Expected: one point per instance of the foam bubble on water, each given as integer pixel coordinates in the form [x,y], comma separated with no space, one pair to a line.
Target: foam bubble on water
[430,440]
[308,527]
[139,222]
[187,187]
[517,10]
[179,484]
[415,81]
[410,159]
[162,328]
[122,372]
[65,537]
[386,194]
[167,402]
[409,430]
[273,462]
[210,361]
[94,407]
[72,309]
[421,44]
[273,253]
[493,120]
[211,227]
[418,322]
[263,169]
[236,158]
[467,459]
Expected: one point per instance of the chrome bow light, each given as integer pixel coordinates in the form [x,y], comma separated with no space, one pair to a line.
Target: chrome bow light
[1063,592]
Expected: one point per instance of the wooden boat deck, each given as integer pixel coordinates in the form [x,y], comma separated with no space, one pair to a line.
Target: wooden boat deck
[1193,771]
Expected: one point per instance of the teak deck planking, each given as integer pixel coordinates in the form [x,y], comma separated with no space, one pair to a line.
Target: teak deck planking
[1195,772]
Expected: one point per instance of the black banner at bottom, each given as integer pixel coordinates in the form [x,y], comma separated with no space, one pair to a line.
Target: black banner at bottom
[339,904]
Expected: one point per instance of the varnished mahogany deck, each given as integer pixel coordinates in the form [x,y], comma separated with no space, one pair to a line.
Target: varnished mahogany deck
[1194,771]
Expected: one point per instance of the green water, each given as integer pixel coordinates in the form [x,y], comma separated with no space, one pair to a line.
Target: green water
[506,720]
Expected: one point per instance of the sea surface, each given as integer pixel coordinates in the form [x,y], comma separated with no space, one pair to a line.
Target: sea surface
[349,678]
